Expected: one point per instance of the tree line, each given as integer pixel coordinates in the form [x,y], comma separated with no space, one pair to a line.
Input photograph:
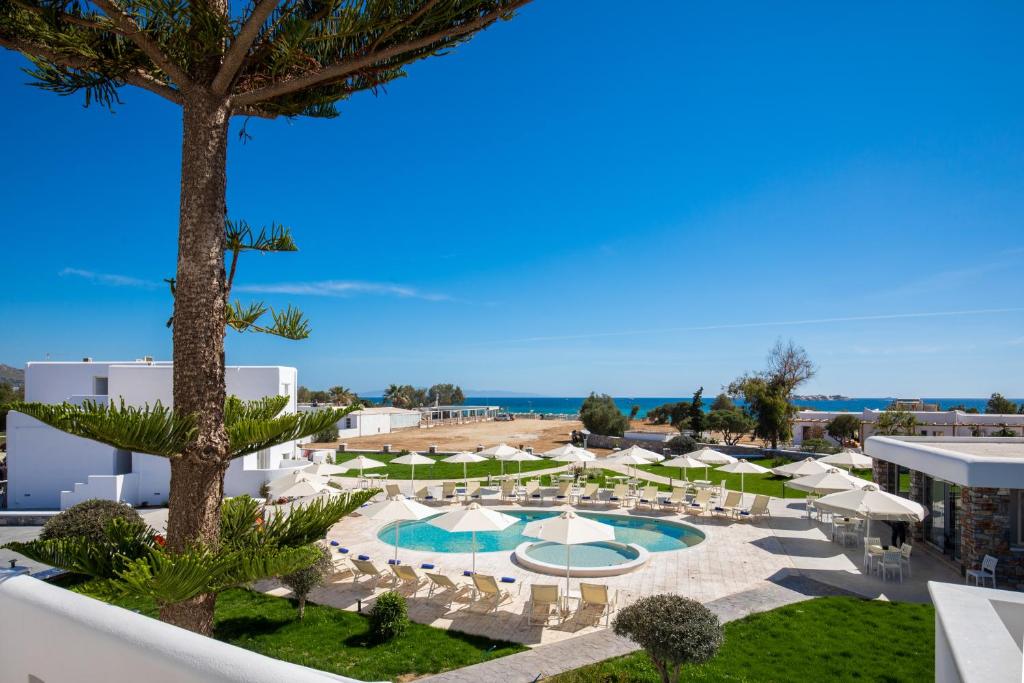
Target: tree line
[408,396]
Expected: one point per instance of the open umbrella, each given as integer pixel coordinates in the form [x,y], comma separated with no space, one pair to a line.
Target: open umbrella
[683,462]
[473,518]
[710,456]
[848,458]
[363,463]
[801,468]
[286,481]
[302,489]
[871,502]
[575,456]
[397,509]
[569,529]
[501,452]
[743,468]
[413,459]
[627,458]
[520,457]
[829,482]
[324,470]
[562,450]
[649,456]
[465,458]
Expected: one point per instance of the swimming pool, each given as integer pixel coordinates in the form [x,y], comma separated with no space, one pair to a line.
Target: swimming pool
[653,535]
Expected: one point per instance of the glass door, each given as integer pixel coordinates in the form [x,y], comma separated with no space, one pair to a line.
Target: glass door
[937,496]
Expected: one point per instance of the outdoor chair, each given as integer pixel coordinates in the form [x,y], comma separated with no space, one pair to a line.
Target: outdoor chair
[892,561]
[339,567]
[392,490]
[472,491]
[987,571]
[533,491]
[731,505]
[701,502]
[422,493]
[620,495]
[508,490]
[443,587]
[366,568]
[905,551]
[589,493]
[595,602]
[564,491]
[649,496]
[757,509]
[544,602]
[489,593]
[872,550]
[448,491]
[408,576]
[677,499]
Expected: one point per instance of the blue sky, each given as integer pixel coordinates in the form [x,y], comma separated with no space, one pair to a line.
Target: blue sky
[636,203]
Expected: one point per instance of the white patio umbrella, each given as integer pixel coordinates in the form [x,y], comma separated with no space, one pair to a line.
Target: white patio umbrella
[501,452]
[302,489]
[569,529]
[465,458]
[473,518]
[829,482]
[870,502]
[520,457]
[413,459]
[649,456]
[801,468]
[848,458]
[292,478]
[743,468]
[709,456]
[562,450]
[363,463]
[683,462]
[625,458]
[397,509]
[324,470]
[577,456]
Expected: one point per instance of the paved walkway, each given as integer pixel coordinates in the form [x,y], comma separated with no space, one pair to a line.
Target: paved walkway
[548,660]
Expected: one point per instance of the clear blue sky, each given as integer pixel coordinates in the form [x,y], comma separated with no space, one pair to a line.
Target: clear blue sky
[580,199]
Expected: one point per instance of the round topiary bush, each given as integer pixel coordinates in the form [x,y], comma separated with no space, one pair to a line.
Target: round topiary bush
[389,617]
[89,518]
[684,443]
[673,630]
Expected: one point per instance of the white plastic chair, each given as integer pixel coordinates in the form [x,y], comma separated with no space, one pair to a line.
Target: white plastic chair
[987,571]
[892,560]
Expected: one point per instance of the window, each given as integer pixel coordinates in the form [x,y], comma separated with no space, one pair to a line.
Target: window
[348,423]
[100,386]
[1018,511]
[263,459]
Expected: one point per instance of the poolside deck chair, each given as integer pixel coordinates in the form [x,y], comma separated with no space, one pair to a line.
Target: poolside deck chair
[533,491]
[620,495]
[986,573]
[489,593]
[731,505]
[564,492]
[366,568]
[676,499]
[443,588]
[406,575]
[595,601]
[448,491]
[392,490]
[472,491]
[340,567]
[701,502]
[422,493]
[649,497]
[545,602]
[589,493]
[508,490]
[757,509]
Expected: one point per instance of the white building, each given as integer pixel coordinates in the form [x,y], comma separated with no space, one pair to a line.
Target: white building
[809,424]
[48,469]
[371,421]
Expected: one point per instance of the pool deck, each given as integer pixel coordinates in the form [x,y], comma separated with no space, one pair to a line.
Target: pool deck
[735,559]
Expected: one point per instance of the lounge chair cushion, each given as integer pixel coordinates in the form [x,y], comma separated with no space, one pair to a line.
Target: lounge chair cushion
[467,573]
[507,579]
[394,561]
[365,558]
[427,565]
[343,551]
[334,543]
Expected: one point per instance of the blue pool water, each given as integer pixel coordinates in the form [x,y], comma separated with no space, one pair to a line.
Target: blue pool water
[652,534]
[583,555]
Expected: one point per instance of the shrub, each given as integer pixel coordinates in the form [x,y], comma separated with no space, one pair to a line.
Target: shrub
[673,630]
[683,444]
[818,446]
[326,436]
[600,415]
[303,581]
[389,617]
[88,519]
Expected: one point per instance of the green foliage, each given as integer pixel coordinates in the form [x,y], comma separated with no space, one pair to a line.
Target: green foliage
[695,416]
[1004,431]
[303,581]
[8,394]
[818,446]
[844,428]
[767,393]
[406,396]
[722,402]
[244,523]
[104,557]
[732,423]
[999,405]
[600,415]
[389,617]
[683,444]
[894,422]
[327,435]
[88,519]
[673,630]
[445,395]
[633,410]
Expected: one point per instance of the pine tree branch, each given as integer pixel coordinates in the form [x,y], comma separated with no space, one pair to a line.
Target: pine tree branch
[145,42]
[70,18]
[337,71]
[136,78]
[235,57]
[427,6]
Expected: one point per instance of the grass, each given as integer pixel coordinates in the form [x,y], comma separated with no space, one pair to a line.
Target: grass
[337,641]
[825,639]
[441,470]
[767,484]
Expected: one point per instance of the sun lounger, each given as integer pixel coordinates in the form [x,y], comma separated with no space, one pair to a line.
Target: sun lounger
[366,568]
[701,502]
[589,494]
[508,490]
[339,567]
[489,593]
[448,490]
[533,491]
[677,499]
[595,602]
[407,576]
[423,493]
[731,505]
[472,490]
[444,588]
[564,491]
[649,497]
[392,490]
[757,509]
[544,602]
[620,495]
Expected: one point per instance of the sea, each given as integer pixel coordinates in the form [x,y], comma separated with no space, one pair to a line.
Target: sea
[570,405]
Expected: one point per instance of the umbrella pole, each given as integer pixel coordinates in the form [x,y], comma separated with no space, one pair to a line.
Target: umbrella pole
[465,476]
[414,480]
[397,525]
[474,551]
[568,549]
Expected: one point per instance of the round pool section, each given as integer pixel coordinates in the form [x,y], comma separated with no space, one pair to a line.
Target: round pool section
[606,558]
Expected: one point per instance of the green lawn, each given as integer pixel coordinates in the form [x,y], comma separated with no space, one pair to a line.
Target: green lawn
[825,639]
[442,470]
[767,484]
[334,640]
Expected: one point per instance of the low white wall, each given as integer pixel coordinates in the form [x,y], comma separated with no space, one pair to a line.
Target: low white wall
[123,488]
[51,635]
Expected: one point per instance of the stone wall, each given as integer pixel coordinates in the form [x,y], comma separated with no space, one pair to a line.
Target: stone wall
[917,494]
[882,474]
[985,528]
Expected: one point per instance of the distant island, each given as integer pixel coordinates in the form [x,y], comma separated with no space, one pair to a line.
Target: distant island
[822,397]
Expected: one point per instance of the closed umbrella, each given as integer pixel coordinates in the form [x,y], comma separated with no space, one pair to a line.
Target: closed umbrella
[649,456]
[363,463]
[848,458]
[397,509]
[871,502]
[286,481]
[829,482]
[743,468]
[710,456]
[302,489]
[562,450]
[683,462]
[413,459]
[569,529]
[465,458]
[473,518]
[801,468]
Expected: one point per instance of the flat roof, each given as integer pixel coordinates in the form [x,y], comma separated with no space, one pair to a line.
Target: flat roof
[991,462]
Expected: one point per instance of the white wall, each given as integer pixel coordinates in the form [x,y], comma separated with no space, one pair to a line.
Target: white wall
[52,635]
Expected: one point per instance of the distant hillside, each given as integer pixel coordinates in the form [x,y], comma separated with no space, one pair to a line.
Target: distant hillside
[10,375]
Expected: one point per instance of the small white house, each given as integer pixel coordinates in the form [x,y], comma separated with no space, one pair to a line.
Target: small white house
[48,469]
[808,424]
[377,420]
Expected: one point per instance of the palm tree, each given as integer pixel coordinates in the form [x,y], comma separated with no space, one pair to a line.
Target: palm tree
[343,395]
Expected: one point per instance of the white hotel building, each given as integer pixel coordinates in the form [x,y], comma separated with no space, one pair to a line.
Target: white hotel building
[49,469]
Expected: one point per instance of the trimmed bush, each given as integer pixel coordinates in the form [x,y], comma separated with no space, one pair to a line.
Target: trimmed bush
[90,519]
[683,444]
[818,446]
[305,580]
[326,436]
[389,617]
[673,630]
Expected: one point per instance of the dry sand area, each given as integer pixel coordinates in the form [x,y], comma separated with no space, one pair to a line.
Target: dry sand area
[542,435]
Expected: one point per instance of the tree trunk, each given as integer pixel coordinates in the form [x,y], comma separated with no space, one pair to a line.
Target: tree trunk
[197,477]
